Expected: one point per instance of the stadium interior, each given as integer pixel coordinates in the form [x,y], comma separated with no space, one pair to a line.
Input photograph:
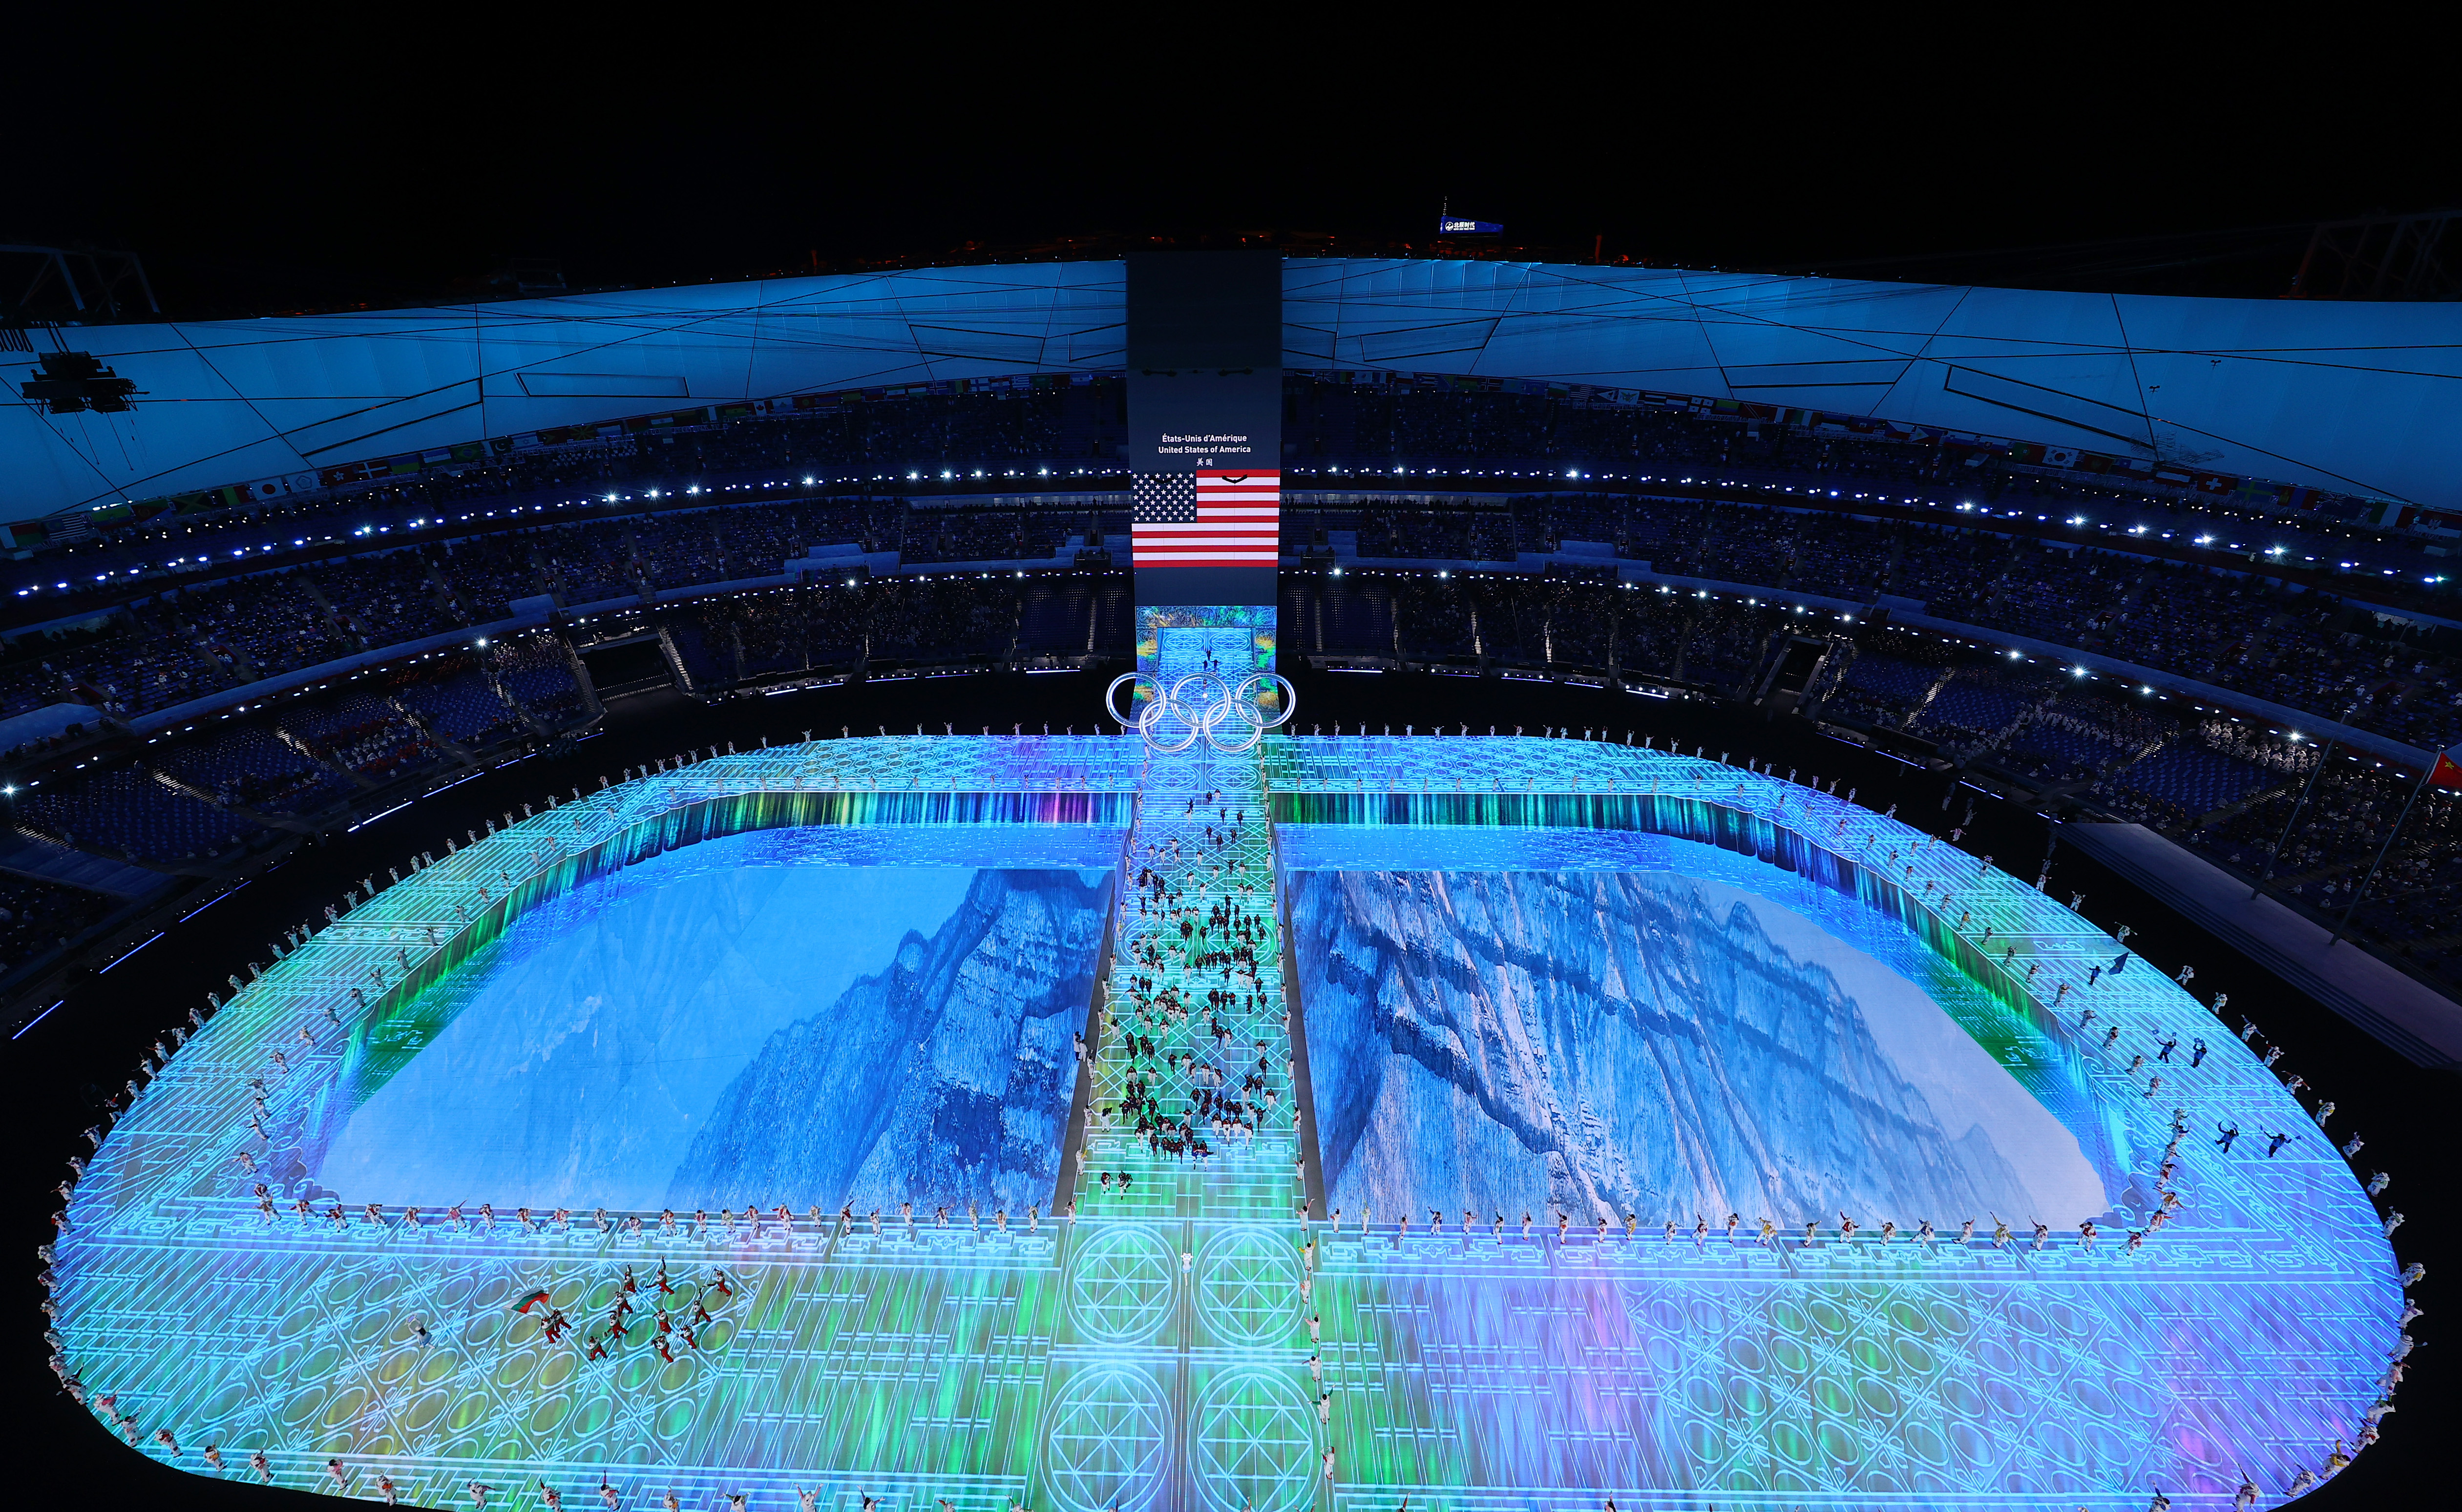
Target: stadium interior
[641,724]
[989,761]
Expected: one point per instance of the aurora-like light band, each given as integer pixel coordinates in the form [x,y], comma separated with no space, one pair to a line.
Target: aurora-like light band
[1151,1351]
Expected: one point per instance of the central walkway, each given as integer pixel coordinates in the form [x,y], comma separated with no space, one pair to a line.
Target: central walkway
[1191,1305]
[1193,1097]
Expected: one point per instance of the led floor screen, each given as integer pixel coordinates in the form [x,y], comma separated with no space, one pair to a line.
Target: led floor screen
[1650,1044]
[721,1026]
[1497,1125]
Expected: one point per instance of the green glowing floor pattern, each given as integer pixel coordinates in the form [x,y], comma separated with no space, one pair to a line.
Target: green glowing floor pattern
[1154,1350]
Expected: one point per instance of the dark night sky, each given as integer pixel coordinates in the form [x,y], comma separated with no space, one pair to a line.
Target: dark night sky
[292,166]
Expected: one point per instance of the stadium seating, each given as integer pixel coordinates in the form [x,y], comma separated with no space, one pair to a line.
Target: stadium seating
[459,702]
[244,763]
[678,551]
[1971,711]
[589,564]
[125,811]
[1881,689]
[2061,751]
[754,539]
[38,918]
[2239,633]
[363,733]
[537,673]
[2189,780]
[132,669]
[262,625]
[580,522]
[387,600]
[707,648]
[488,572]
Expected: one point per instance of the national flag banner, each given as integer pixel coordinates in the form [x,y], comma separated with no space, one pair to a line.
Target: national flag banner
[1206,519]
[2448,770]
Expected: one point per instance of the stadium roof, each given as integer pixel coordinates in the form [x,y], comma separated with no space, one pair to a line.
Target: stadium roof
[2352,396]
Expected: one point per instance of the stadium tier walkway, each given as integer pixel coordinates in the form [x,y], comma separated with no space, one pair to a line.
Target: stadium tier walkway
[50,862]
[2413,1018]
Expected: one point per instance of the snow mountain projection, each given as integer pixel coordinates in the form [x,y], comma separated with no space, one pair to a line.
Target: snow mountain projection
[704,1030]
[1609,1043]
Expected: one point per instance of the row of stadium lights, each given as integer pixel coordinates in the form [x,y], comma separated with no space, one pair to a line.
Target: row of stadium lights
[2077,520]
[368,530]
[1573,474]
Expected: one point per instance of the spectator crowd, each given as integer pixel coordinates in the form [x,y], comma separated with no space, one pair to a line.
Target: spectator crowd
[694,526]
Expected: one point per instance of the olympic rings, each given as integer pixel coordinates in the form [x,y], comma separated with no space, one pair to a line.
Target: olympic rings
[1290,697]
[1113,693]
[1217,703]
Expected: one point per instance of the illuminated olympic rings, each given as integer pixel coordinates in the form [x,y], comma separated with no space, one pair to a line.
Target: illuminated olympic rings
[1175,719]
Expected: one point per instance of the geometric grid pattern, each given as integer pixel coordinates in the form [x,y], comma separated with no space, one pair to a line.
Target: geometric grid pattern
[1153,1347]
[2244,1338]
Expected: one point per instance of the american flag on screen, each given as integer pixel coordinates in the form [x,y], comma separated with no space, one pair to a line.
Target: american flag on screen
[1207,519]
